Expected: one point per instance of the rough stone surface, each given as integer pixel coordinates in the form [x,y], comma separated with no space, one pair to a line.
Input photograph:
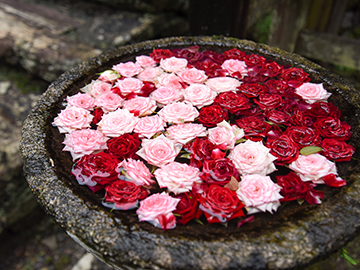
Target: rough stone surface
[293,237]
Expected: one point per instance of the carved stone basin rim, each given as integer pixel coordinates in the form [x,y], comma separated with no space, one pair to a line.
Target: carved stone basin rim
[293,237]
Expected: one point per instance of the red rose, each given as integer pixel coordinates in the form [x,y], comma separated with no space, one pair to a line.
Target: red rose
[234,54]
[213,56]
[200,149]
[124,146]
[218,171]
[329,127]
[269,101]
[211,68]
[294,76]
[191,54]
[279,87]
[324,109]
[270,69]
[337,150]
[277,117]
[211,115]
[252,89]
[96,169]
[187,208]
[232,102]
[293,188]
[220,204]
[147,88]
[301,118]
[254,60]
[123,195]
[255,127]
[284,149]
[303,136]
[158,54]
[98,114]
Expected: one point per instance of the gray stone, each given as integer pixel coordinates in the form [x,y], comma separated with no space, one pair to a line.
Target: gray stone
[293,237]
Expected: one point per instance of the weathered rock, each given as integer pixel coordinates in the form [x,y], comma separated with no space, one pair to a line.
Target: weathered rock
[295,236]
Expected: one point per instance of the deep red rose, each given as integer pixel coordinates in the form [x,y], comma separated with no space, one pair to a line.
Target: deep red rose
[99,168]
[277,117]
[269,101]
[301,118]
[337,150]
[211,68]
[187,208]
[324,109]
[124,195]
[234,54]
[303,136]
[124,146]
[252,89]
[254,75]
[211,115]
[293,188]
[200,149]
[284,149]
[279,87]
[329,127]
[220,204]
[213,56]
[232,102]
[294,76]
[255,127]
[191,54]
[147,88]
[218,171]
[98,114]
[158,54]
[254,60]
[270,69]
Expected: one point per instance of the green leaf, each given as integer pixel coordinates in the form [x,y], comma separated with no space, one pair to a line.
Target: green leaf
[344,254]
[308,150]
[187,155]
[198,221]
[240,140]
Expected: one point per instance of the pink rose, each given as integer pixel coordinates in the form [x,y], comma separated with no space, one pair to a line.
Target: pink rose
[84,142]
[312,92]
[109,102]
[135,171]
[73,118]
[128,69]
[159,151]
[235,66]
[150,74]
[225,135]
[149,125]
[177,177]
[199,95]
[178,112]
[114,124]
[193,75]
[259,193]
[313,167]
[157,209]
[81,100]
[223,84]
[129,85]
[170,80]
[183,133]
[109,76]
[252,158]
[173,64]
[166,95]
[140,106]
[145,61]
[98,88]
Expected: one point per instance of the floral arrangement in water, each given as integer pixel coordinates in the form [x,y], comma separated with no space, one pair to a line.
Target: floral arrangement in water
[182,133]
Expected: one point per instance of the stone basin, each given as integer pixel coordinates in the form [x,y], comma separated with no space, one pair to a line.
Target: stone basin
[293,237]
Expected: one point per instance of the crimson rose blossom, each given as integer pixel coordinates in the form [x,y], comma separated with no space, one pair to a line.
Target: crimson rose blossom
[252,89]
[219,171]
[337,150]
[294,76]
[211,115]
[303,136]
[254,127]
[187,208]
[284,149]
[329,127]
[232,102]
[269,101]
[124,146]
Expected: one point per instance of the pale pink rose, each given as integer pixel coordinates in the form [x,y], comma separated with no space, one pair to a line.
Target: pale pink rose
[157,210]
[178,112]
[259,193]
[72,119]
[173,64]
[225,135]
[170,80]
[81,100]
[313,167]
[199,95]
[84,142]
[128,69]
[119,122]
[148,126]
[129,85]
[135,171]
[145,61]
[109,76]
[177,177]
[166,95]
[234,65]
[140,106]
[223,84]
[150,74]
[159,151]
[192,75]
[98,88]
[183,133]
[252,158]
[109,101]
[312,92]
